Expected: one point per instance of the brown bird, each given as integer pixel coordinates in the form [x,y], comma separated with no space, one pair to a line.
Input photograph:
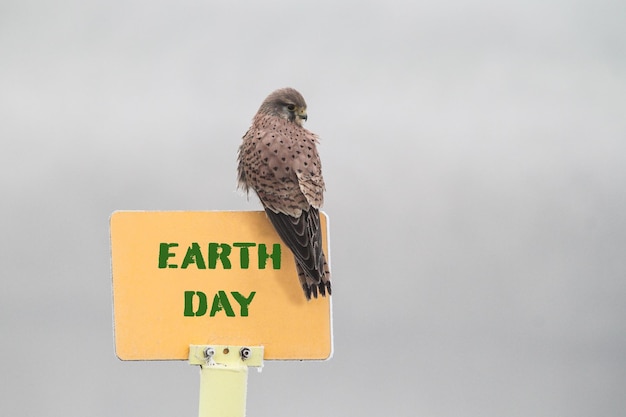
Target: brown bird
[278,159]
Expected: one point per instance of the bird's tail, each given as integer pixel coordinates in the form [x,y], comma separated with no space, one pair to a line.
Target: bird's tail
[313,287]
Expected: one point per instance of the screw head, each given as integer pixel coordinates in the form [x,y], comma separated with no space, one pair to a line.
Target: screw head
[245,353]
[209,352]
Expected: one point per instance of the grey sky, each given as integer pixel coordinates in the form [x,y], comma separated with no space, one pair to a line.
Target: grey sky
[474,155]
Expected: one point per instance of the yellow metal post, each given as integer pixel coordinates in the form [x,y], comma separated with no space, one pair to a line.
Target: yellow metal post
[224,377]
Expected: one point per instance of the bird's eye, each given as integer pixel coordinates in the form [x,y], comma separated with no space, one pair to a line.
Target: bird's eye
[291,107]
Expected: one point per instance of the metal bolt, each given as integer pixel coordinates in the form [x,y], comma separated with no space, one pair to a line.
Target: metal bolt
[245,353]
[209,352]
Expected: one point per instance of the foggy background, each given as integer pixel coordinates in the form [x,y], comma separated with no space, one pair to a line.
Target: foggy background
[474,154]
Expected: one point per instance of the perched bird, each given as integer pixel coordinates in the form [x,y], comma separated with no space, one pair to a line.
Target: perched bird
[278,159]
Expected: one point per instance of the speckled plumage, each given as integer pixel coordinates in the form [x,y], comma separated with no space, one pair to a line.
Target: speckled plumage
[278,159]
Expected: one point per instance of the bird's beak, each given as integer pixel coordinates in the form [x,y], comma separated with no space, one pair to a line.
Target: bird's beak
[300,115]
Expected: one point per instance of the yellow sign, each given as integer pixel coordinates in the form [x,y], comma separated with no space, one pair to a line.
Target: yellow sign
[182,278]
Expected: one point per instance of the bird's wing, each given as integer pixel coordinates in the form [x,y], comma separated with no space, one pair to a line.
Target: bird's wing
[303,236]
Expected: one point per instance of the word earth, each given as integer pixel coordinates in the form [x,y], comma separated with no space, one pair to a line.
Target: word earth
[219,252]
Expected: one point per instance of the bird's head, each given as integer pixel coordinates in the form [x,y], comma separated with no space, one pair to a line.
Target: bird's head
[286,103]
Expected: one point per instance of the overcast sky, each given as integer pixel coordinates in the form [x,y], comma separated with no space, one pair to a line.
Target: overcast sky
[475,160]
